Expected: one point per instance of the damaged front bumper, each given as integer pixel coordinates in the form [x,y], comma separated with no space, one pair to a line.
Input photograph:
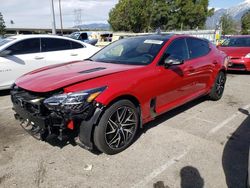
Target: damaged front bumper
[43,123]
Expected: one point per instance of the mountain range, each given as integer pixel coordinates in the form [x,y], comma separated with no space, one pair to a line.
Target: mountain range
[236,12]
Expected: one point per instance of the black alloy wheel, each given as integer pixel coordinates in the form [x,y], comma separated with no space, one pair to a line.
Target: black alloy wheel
[121,127]
[219,86]
[117,127]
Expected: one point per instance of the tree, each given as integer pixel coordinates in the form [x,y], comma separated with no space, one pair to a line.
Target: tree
[159,15]
[191,14]
[2,25]
[245,23]
[128,15]
[148,15]
[227,24]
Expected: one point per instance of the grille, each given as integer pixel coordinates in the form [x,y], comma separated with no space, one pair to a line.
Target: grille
[28,101]
[237,66]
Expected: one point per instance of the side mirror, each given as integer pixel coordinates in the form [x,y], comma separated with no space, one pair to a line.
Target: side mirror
[170,61]
[5,53]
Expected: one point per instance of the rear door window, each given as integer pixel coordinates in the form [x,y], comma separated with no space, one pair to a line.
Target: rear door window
[26,46]
[51,44]
[197,47]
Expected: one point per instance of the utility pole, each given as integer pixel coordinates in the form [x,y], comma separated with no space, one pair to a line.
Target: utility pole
[78,17]
[53,18]
[60,9]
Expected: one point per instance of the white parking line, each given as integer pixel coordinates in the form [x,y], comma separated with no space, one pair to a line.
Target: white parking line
[198,113]
[226,121]
[158,171]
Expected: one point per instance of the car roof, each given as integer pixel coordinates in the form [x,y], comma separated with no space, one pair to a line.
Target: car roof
[166,37]
[30,36]
[22,37]
[37,36]
[80,32]
[163,37]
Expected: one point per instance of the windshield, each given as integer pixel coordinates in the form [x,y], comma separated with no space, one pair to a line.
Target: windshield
[133,51]
[74,35]
[5,41]
[237,42]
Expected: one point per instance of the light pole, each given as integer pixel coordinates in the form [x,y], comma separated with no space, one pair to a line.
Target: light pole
[60,9]
[53,18]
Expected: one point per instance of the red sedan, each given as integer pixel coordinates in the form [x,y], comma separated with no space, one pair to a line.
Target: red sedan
[102,101]
[238,50]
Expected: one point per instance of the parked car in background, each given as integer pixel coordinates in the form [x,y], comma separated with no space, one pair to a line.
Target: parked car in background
[104,100]
[106,37]
[84,37]
[238,50]
[23,53]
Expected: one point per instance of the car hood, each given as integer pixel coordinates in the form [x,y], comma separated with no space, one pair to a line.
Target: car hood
[235,51]
[58,76]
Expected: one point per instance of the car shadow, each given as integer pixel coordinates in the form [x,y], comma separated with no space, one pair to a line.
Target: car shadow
[190,178]
[235,154]
[16,60]
[53,141]
[168,115]
[4,92]
[239,72]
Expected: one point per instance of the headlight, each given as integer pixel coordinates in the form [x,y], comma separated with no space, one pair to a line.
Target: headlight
[75,101]
[247,56]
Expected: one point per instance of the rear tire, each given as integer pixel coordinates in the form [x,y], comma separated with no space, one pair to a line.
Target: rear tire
[218,87]
[117,127]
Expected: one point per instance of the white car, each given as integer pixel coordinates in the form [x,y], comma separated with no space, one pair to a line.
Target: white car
[23,53]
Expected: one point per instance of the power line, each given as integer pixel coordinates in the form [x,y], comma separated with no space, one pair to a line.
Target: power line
[78,17]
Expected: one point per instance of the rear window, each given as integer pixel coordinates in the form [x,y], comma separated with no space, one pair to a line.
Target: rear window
[237,42]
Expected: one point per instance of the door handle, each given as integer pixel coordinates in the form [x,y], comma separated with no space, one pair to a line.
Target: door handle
[39,57]
[74,54]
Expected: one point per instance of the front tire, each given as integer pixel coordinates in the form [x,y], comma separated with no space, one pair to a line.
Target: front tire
[117,127]
[218,87]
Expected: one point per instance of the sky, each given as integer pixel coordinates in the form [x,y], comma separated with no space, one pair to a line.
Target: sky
[224,3]
[37,13]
